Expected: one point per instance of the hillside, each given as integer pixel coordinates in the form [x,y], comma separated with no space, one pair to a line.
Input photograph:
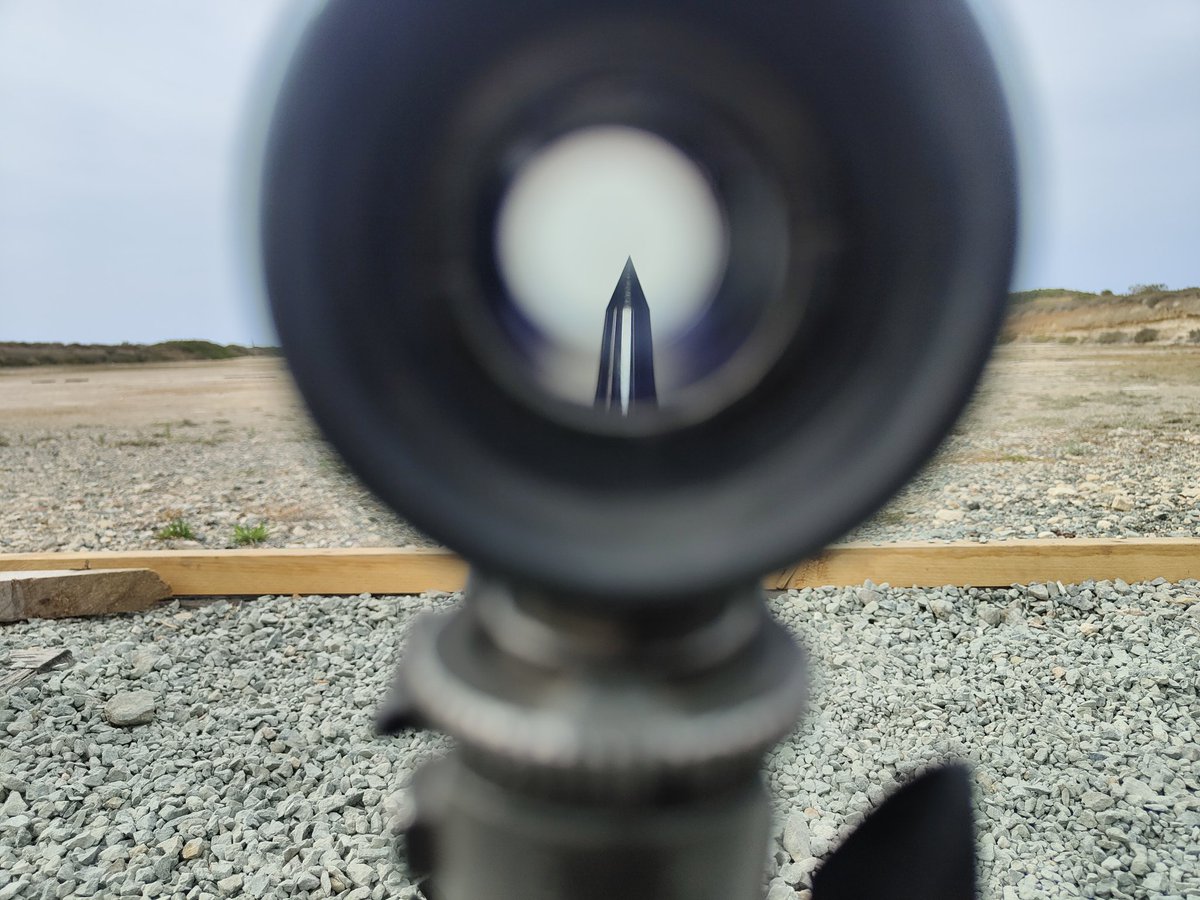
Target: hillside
[1148,314]
[52,354]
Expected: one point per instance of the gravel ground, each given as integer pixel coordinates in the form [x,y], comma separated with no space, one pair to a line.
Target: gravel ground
[1125,482]
[64,491]
[259,775]
[68,490]
[1064,442]
[1060,441]
[103,458]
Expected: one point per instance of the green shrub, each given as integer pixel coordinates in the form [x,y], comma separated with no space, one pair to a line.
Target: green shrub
[1015,458]
[177,529]
[1194,336]
[1111,337]
[1068,339]
[1146,336]
[201,349]
[249,534]
[1026,296]
[44,354]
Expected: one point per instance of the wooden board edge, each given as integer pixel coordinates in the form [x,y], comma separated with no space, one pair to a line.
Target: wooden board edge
[384,570]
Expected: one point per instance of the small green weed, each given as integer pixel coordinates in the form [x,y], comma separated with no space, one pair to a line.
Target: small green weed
[249,534]
[891,516]
[1063,402]
[176,529]
[996,456]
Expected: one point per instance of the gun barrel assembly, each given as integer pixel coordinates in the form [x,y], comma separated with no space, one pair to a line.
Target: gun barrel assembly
[630,304]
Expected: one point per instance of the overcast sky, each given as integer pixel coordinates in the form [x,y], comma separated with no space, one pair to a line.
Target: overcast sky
[120,151]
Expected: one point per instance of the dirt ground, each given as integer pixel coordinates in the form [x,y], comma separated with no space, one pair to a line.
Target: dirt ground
[241,392]
[1071,440]
[1088,387]
[1027,385]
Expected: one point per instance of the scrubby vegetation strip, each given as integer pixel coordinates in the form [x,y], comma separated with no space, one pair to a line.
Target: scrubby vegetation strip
[55,354]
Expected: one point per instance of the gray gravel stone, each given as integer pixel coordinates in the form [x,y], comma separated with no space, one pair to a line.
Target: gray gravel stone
[941,607]
[131,708]
[12,783]
[1076,719]
[991,615]
[14,805]
[307,881]
[796,836]
[256,885]
[1096,801]
[1075,772]
[361,873]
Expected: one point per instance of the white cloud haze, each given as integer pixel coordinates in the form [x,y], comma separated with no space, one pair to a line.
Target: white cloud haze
[120,151]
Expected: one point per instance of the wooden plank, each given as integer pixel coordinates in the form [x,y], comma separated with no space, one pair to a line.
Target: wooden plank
[59,593]
[997,564]
[38,658]
[375,570]
[24,664]
[412,571]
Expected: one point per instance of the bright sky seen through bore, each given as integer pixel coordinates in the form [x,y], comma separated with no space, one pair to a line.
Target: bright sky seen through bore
[122,159]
